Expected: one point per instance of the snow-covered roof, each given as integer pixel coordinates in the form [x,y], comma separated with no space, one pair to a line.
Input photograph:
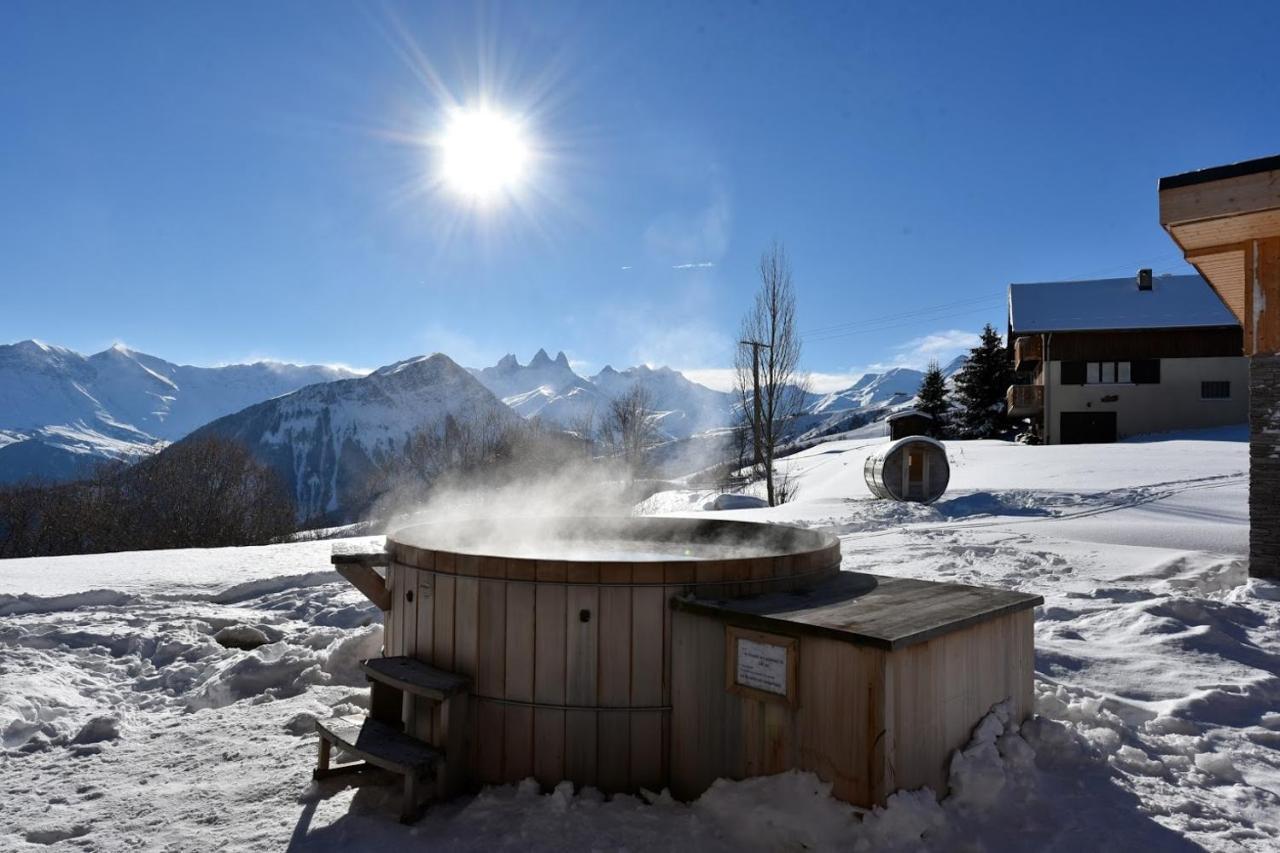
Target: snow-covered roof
[1174,302]
[906,413]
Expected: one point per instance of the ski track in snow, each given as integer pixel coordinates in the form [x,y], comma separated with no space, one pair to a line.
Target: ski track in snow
[126,725]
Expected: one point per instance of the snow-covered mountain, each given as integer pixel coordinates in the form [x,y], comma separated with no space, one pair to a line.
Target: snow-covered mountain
[61,411]
[326,440]
[545,388]
[897,385]
[550,390]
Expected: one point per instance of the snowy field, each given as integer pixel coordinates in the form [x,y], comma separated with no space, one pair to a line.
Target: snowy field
[127,725]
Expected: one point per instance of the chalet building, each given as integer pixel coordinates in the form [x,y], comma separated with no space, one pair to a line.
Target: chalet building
[1226,220]
[1097,361]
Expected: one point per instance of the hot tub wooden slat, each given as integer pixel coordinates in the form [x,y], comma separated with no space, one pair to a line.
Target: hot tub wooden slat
[466,622]
[582,572]
[646,573]
[444,608]
[521,570]
[613,753]
[491,668]
[580,682]
[549,683]
[518,747]
[647,606]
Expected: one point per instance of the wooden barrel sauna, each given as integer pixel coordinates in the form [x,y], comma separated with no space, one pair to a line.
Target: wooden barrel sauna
[564,627]
[910,469]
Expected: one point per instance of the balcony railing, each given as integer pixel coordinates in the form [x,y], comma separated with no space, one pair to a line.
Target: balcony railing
[1025,400]
[1028,351]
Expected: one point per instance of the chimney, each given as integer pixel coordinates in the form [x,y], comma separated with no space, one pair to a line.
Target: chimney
[1144,279]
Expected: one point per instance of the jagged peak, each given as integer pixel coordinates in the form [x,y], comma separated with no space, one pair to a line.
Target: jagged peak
[540,359]
[508,362]
[562,359]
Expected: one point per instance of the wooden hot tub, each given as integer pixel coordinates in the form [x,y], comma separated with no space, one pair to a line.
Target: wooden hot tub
[564,627]
[652,653]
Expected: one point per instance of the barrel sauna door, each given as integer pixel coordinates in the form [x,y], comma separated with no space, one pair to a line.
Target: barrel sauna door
[915,473]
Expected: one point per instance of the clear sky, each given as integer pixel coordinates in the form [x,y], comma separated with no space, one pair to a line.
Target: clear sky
[212,182]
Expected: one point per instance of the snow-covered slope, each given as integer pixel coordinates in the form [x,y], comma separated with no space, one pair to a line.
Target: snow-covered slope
[61,411]
[1156,688]
[325,440]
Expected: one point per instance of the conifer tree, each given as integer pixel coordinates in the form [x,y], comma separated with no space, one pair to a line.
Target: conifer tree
[981,387]
[932,398]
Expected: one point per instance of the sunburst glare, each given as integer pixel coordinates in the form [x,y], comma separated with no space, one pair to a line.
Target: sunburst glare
[483,154]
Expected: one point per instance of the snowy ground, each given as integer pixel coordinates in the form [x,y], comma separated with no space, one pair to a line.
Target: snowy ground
[126,725]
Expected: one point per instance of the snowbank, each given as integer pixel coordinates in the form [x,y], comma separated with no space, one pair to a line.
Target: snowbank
[1158,682]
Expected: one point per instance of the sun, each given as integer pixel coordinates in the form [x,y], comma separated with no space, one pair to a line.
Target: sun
[484,155]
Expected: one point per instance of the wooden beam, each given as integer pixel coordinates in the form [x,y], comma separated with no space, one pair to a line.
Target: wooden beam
[1264,302]
[1226,197]
[368,581]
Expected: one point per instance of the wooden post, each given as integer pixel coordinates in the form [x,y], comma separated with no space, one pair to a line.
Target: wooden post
[322,763]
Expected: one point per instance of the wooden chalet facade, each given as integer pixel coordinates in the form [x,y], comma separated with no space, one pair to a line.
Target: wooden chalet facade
[1098,361]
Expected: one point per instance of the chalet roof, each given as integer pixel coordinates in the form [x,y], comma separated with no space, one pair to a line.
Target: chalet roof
[1218,173]
[1174,302]
[909,413]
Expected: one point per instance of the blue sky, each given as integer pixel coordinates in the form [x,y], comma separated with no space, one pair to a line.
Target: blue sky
[216,182]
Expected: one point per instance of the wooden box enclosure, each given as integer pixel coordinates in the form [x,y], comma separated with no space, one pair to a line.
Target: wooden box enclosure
[886,678]
[571,659]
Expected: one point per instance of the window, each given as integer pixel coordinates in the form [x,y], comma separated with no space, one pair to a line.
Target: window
[1215,390]
[1073,373]
[1141,372]
[1099,373]
[1146,371]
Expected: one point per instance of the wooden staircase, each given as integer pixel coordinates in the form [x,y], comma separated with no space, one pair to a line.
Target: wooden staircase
[417,728]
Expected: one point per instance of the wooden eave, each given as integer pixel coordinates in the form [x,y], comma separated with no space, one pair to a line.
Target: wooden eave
[1226,220]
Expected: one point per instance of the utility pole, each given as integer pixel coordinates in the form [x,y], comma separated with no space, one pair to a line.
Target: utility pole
[757,428]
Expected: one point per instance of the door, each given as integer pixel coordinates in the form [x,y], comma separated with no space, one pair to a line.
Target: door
[1087,427]
[915,474]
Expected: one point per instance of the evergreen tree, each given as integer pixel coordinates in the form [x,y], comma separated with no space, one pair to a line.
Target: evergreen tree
[981,387]
[932,398]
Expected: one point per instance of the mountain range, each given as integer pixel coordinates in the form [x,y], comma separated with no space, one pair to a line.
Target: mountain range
[549,389]
[324,429]
[61,412]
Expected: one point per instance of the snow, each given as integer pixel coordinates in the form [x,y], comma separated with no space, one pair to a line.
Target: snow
[59,408]
[126,724]
[1174,301]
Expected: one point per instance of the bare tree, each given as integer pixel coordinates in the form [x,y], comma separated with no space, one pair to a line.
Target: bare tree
[628,428]
[583,426]
[771,388]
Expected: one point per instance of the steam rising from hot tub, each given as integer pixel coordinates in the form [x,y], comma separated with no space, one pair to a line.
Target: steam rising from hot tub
[549,507]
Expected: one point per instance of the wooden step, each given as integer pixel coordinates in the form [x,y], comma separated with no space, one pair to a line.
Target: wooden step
[414,676]
[380,745]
